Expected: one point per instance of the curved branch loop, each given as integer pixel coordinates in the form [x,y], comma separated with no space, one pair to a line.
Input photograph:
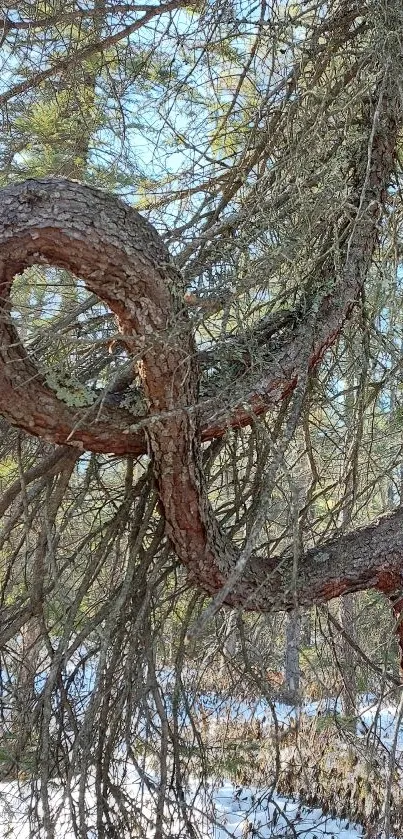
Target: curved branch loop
[122,259]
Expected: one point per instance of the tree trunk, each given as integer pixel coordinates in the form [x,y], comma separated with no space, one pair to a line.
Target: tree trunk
[292,670]
[349,685]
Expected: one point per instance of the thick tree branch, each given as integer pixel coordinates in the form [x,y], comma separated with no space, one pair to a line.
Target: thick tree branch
[123,260]
[369,557]
[335,295]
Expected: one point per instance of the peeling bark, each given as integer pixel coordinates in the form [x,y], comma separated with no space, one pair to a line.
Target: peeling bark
[122,259]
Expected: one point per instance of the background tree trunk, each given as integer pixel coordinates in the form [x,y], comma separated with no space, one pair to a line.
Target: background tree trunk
[292,667]
[349,683]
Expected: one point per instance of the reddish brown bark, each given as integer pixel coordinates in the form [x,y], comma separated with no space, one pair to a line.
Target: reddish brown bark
[122,259]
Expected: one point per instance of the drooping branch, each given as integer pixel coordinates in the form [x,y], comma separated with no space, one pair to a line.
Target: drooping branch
[122,259]
[49,465]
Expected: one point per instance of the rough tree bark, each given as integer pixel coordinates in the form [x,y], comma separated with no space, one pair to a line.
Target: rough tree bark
[122,259]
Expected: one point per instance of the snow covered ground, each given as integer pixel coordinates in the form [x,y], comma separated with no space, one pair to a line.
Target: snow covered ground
[279,817]
[221,811]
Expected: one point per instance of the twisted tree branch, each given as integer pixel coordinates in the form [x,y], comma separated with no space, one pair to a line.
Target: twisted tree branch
[122,259]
